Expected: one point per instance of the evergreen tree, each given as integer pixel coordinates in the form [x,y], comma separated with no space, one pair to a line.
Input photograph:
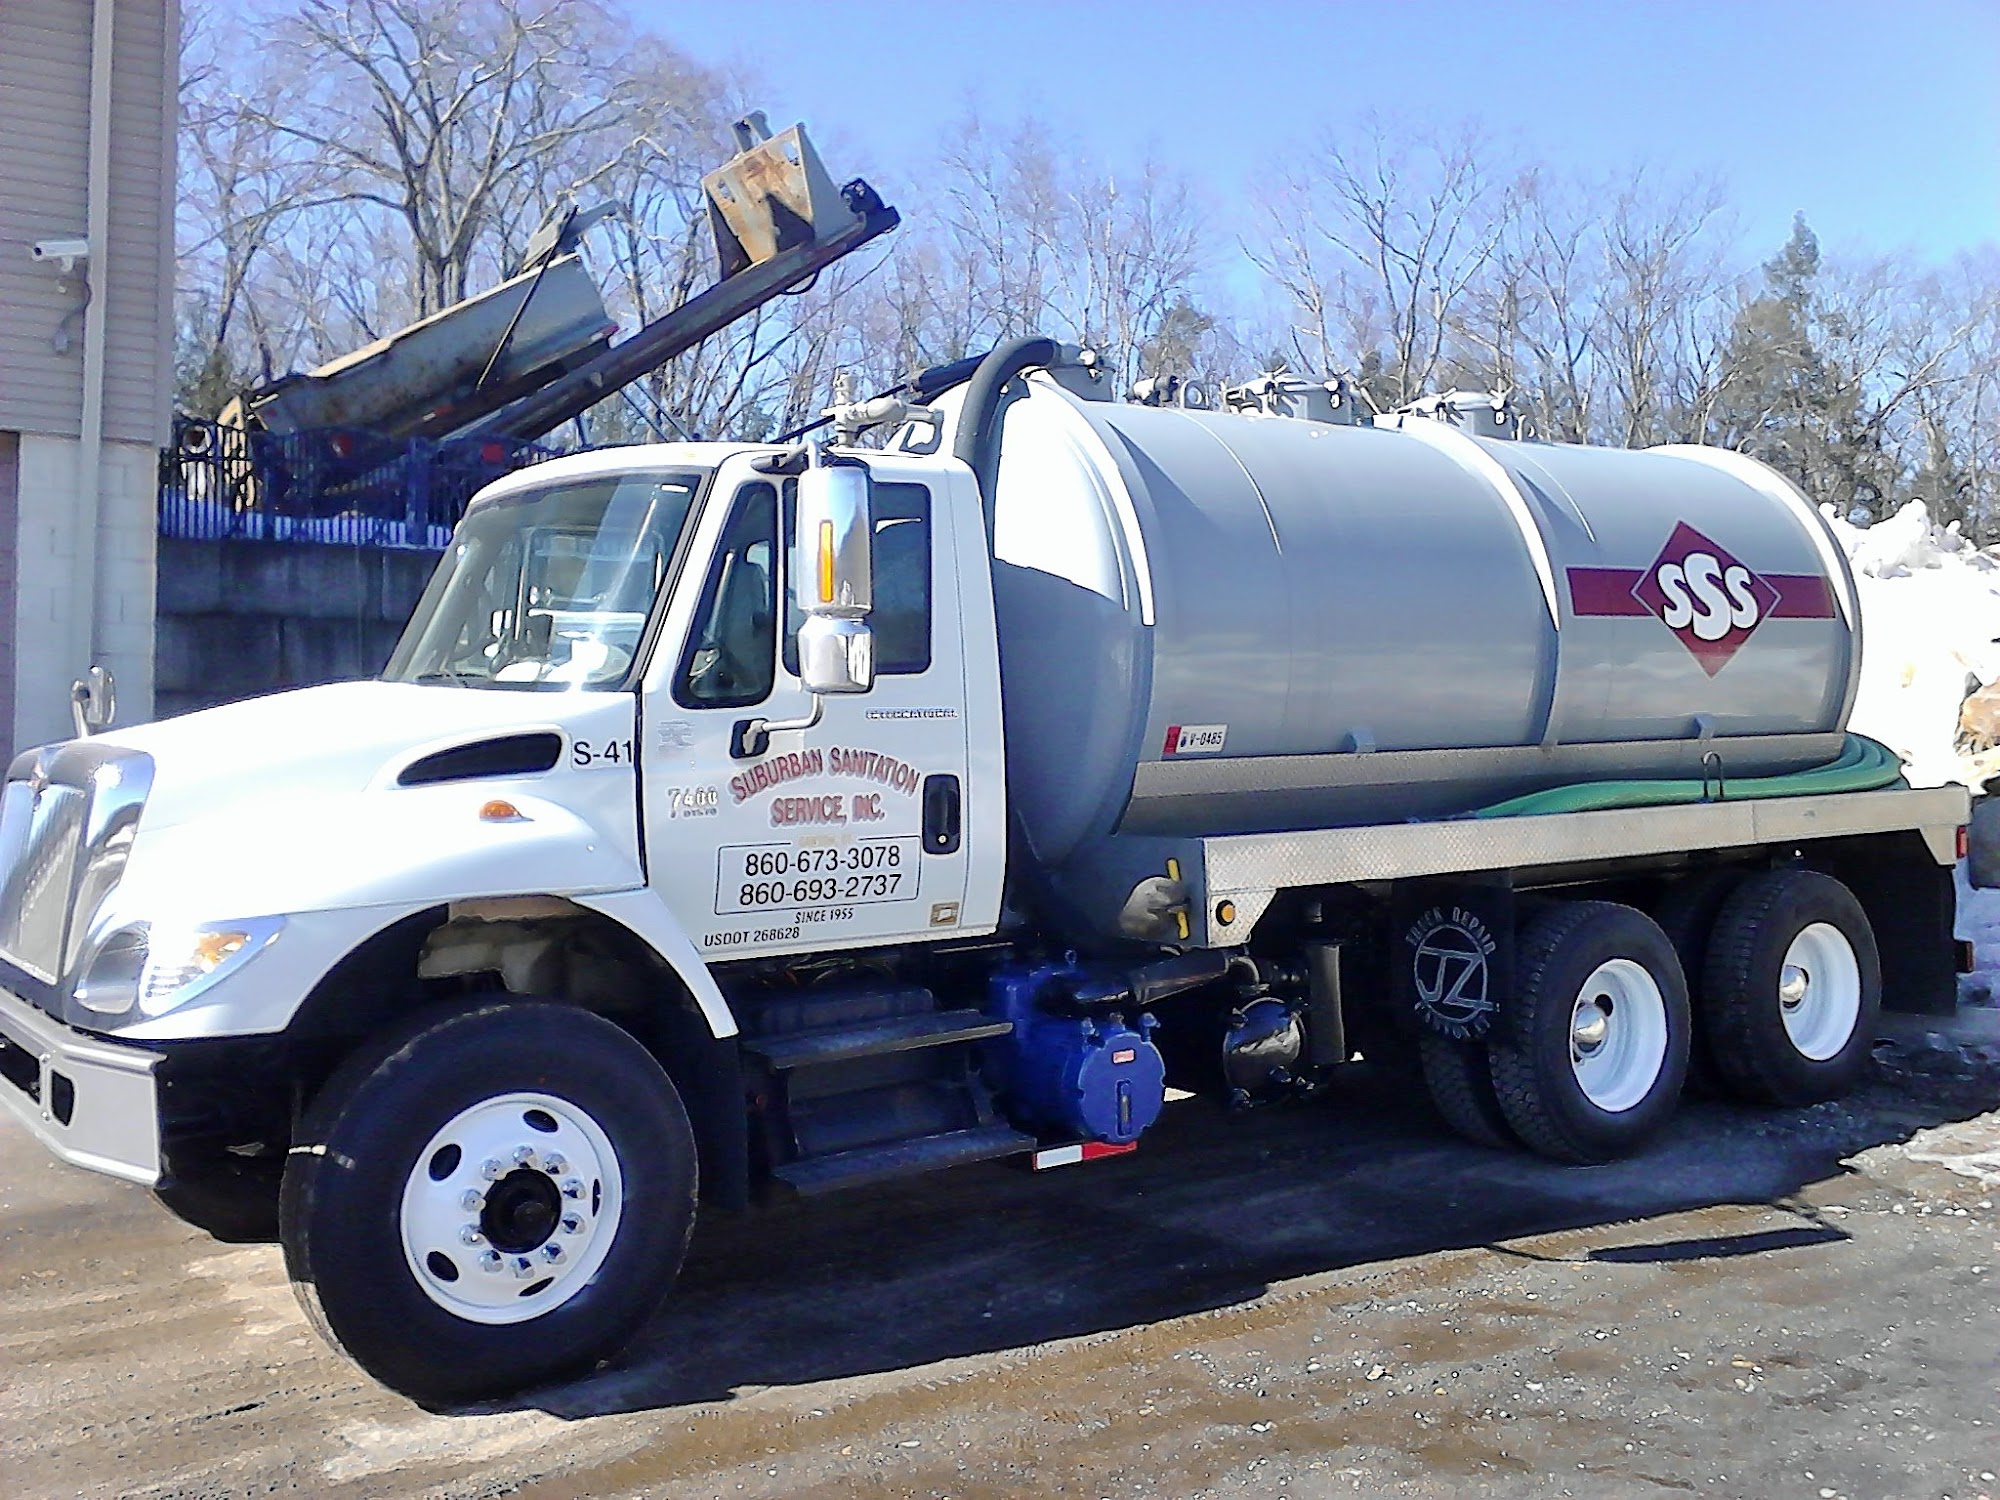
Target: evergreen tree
[1790,400]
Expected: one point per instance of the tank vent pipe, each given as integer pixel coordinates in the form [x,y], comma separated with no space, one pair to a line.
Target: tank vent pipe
[977,441]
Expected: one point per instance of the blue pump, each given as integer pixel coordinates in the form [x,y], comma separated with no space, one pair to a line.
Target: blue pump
[1072,1066]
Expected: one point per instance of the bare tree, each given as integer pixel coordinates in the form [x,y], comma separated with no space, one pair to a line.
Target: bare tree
[478,115]
[240,191]
[1397,226]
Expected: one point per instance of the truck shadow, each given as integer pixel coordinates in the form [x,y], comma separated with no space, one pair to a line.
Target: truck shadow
[1211,1212]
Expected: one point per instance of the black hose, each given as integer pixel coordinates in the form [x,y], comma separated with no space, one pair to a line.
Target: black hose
[938,379]
[978,419]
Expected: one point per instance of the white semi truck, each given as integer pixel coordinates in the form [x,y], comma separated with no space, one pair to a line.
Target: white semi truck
[750,818]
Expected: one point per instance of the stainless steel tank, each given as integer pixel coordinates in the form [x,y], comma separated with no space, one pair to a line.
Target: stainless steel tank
[1217,623]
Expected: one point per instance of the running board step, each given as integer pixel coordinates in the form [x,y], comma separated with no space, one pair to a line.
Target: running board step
[938,1028]
[926,1153]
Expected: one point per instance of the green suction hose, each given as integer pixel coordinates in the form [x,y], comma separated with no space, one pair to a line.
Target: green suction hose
[1863,765]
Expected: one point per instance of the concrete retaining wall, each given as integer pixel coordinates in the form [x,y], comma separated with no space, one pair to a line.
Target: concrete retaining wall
[237,619]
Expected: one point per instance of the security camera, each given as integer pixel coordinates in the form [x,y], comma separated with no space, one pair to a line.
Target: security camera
[65,253]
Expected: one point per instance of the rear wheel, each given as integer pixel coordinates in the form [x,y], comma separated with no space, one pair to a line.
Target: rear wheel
[1792,989]
[488,1199]
[1589,1058]
[1460,1080]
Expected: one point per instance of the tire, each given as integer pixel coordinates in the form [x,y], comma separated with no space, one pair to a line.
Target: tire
[1581,1104]
[232,1200]
[557,1264]
[1460,1080]
[1770,1048]
[1686,913]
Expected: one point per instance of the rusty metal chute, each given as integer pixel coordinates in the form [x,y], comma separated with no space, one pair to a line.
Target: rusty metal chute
[521,358]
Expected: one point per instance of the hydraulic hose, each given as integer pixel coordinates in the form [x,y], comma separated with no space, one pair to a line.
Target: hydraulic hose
[1863,765]
[979,420]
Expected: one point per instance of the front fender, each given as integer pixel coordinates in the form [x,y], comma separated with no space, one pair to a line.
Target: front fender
[642,913]
[263,997]
[339,870]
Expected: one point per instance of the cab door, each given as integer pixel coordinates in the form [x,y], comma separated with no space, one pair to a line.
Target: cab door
[843,833]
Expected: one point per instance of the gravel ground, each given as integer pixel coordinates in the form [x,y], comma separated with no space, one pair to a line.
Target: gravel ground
[1331,1299]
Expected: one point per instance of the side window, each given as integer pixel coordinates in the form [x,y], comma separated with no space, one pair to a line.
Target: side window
[902,614]
[730,655]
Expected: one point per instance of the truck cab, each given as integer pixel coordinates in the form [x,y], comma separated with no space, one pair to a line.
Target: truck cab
[662,581]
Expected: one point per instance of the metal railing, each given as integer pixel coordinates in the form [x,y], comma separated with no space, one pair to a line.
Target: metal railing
[332,485]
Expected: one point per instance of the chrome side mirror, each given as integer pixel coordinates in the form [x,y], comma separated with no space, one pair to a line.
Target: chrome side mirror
[93,702]
[833,578]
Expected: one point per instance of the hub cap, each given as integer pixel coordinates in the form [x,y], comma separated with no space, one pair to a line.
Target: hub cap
[1618,1035]
[1819,991]
[510,1209]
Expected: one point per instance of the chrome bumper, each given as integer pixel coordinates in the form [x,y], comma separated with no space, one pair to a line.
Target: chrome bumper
[90,1101]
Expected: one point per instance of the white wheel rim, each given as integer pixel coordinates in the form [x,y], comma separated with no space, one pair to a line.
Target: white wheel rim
[511,1208]
[1819,991]
[1618,1035]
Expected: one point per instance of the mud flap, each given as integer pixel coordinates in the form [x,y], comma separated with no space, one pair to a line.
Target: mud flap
[1452,956]
[1982,843]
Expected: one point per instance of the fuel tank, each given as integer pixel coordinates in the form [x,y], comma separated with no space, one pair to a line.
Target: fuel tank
[1223,623]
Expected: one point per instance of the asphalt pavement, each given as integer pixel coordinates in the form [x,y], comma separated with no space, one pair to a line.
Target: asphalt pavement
[1330,1298]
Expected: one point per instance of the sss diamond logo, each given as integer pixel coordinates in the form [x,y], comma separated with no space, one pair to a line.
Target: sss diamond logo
[1707,596]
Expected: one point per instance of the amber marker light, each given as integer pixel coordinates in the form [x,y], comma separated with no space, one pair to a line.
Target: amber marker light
[826,562]
[211,948]
[499,810]
[1225,912]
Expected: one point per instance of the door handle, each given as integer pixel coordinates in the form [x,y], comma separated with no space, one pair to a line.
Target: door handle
[941,815]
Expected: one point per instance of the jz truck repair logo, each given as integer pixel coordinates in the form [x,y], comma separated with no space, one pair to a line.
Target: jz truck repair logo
[1451,967]
[1701,592]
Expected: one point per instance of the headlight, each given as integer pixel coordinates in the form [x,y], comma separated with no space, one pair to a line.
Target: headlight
[151,968]
[113,972]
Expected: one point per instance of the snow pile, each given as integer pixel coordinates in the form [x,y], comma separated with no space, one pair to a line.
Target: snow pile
[1930,612]
[1906,543]
[1930,616]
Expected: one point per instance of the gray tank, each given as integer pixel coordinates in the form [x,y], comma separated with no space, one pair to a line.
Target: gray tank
[1216,623]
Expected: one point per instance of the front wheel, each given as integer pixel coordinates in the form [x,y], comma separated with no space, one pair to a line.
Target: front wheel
[489,1198]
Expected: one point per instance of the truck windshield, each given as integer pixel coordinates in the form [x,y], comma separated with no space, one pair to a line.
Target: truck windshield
[549,589]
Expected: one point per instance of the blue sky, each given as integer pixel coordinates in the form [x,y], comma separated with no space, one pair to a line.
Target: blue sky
[1880,121]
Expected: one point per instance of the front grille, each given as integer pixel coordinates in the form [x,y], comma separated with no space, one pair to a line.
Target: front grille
[41,833]
[67,817]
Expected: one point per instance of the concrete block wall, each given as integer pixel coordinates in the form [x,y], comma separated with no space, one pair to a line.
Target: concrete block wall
[238,619]
[46,658]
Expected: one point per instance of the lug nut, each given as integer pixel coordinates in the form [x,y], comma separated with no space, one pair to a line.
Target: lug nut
[554,1165]
[572,1187]
[524,1155]
[571,1224]
[472,1200]
[489,1260]
[494,1169]
[470,1235]
[553,1254]
[523,1268]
